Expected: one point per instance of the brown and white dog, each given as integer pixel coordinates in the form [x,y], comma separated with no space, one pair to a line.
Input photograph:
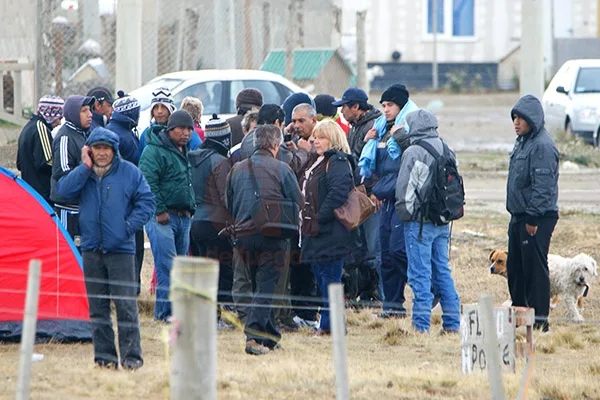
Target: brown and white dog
[569,278]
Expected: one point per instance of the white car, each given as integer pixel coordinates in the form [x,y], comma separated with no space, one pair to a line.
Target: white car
[217,89]
[572,99]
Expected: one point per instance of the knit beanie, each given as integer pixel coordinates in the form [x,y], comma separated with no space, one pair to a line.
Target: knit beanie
[324,106]
[180,118]
[249,97]
[218,130]
[50,107]
[292,101]
[396,93]
[127,106]
[162,96]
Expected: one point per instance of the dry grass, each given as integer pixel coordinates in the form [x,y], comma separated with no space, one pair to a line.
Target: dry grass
[387,360]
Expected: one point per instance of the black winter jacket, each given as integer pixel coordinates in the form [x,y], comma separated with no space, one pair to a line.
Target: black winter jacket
[324,238]
[532,185]
[34,155]
[358,131]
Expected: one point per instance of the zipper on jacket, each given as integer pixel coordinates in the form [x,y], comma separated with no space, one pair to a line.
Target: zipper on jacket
[100,217]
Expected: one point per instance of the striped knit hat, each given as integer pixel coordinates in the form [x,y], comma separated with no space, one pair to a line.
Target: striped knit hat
[50,107]
[218,130]
[163,96]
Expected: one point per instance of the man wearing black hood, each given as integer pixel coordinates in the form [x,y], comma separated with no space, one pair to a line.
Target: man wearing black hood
[66,155]
[532,201]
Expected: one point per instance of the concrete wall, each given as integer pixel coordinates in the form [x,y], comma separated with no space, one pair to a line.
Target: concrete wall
[568,49]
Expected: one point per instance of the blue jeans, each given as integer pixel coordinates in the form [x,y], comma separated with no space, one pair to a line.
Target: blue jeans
[370,228]
[393,257]
[326,273]
[427,268]
[166,242]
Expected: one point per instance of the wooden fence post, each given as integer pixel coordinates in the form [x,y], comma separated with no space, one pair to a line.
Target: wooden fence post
[194,285]
[29,325]
[338,334]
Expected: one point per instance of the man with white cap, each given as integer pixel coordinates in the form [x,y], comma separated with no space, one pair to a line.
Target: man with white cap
[34,155]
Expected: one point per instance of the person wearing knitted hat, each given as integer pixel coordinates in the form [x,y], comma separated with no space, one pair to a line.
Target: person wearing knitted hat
[165,165]
[210,167]
[102,109]
[246,100]
[326,109]
[124,121]
[34,154]
[162,106]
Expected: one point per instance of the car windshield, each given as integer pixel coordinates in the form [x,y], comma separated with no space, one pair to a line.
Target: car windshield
[588,80]
[144,94]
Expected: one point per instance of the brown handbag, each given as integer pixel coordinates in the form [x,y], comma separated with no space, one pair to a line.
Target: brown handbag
[357,208]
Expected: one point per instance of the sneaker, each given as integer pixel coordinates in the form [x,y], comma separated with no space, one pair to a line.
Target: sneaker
[255,349]
[306,323]
[133,364]
[392,314]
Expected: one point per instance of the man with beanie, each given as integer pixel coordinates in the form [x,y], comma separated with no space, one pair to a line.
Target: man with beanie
[102,109]
[532,201]
[326,109]
[210,167]
[115,202]
[66,156]
[34,154]
[162,106]
[291,102]
[168,172]
[124,121]
[246,100]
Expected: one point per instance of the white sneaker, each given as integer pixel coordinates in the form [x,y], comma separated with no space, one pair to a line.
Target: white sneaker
[306,323]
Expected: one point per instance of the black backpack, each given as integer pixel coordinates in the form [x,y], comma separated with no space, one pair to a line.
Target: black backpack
[445,200]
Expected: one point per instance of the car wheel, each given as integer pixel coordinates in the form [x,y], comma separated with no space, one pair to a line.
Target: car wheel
[596,139]
[568,128]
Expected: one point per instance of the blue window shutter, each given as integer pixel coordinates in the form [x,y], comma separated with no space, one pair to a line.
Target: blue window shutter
[463,17]
[440,16]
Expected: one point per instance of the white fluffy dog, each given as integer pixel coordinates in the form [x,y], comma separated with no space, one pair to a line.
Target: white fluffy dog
[570,279]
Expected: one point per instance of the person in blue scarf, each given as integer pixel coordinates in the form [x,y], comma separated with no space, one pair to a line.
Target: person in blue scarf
[380,164]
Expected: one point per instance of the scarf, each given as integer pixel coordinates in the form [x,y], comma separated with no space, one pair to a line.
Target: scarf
[369,152]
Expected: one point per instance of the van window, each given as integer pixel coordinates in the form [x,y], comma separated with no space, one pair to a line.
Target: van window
[588,80]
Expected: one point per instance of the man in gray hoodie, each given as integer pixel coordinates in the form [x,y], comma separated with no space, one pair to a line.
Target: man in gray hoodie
[532,201]
[422,236]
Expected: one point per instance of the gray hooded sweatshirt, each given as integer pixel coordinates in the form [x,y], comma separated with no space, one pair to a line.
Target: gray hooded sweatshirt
[416,166]
[532,186]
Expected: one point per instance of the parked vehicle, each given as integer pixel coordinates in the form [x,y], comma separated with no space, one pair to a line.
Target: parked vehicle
[217,89]
[572,99]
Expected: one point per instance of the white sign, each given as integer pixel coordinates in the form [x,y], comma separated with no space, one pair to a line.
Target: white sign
[472,334]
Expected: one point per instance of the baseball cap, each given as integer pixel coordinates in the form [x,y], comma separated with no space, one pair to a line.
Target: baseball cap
[101,94]
[352,95]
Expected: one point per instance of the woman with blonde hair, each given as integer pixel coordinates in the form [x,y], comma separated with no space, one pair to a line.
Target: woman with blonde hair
[325,242]
[195,108]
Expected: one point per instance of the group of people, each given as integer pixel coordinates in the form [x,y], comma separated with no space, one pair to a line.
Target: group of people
[195,190]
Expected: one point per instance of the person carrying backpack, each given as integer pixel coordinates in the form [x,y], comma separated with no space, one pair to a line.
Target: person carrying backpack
[429,195]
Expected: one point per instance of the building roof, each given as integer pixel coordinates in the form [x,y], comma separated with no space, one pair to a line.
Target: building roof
[97,65]
[308,63]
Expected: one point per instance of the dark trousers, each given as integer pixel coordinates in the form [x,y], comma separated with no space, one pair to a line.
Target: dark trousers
[70,220]
[112,277]
[527,268]
[139,258]
[394,262]
[303,288]
[266,258]
[242,285]
[205,242]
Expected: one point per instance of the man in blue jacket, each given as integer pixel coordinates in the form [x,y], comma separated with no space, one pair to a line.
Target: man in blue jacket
[115,202]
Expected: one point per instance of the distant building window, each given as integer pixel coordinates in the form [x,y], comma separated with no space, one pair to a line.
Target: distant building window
[454,17]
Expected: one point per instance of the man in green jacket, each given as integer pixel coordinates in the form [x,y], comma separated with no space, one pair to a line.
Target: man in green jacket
[166,167]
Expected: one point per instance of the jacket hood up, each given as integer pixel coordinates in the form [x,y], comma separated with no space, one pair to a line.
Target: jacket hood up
[73,106]
[422,124]
[530,109]
[103,135]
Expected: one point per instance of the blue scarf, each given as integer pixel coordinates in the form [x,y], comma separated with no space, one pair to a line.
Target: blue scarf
[369,152]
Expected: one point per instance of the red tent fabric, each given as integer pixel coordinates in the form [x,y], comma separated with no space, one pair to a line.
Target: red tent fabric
[29,229]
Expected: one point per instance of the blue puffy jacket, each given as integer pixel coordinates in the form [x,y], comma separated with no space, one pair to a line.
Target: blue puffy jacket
[128,140]
[386,170]
[113,208]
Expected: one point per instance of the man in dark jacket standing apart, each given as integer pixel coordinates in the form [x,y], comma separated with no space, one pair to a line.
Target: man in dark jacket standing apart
[246,100]
[124,121]
[66,156]
[532,201]
[115,202]
[266,256]
[34,156]
[166,167]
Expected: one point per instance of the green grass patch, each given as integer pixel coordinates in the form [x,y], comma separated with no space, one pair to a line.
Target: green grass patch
[6,124]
